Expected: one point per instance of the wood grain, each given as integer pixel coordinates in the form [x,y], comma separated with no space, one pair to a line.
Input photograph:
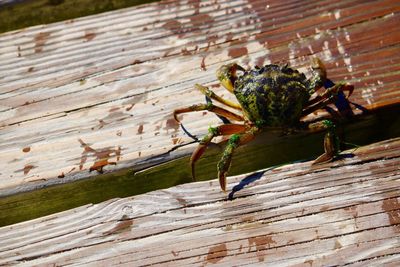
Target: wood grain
[97,93]
[342,213]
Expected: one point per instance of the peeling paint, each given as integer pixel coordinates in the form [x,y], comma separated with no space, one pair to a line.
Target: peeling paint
[216,253]
[28,168]
[122,226]
[89,35]
[102,156]
[392,208]
[260,242]
[40,39]
[140,129]
[235,52]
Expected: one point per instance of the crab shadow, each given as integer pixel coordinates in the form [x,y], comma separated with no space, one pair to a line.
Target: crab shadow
[246,181]
[344,156]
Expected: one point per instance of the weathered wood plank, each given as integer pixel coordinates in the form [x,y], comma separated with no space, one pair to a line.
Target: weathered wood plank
[113,85]
[269,149]
[17,14]
[344,212]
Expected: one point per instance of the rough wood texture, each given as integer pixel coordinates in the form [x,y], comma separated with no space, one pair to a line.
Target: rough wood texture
[345,212]
[97,92]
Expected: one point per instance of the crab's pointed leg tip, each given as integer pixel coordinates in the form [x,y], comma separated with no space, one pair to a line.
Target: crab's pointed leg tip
[223,189]
[222,181]
[176,117]
[322,159]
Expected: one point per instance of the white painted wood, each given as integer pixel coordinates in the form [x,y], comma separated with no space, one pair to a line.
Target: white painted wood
[345,212]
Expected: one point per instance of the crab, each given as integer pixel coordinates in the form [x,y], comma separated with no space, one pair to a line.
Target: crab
[269,96]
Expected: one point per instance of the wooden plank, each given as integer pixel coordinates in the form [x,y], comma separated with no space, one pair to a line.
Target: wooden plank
[339,213]
[17,14]
[268,149]
[113,86]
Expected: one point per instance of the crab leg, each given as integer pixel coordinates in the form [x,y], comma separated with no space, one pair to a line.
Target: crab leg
[206,91]
[210,107]
[331,143]
[226,74]
[225,162]
[328,97]
[225,129]
[334,90]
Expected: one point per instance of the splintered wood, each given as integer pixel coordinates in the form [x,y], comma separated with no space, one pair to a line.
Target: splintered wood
[97,93]
[341,213]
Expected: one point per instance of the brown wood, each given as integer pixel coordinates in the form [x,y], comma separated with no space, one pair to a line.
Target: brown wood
[97,93]
[344,212]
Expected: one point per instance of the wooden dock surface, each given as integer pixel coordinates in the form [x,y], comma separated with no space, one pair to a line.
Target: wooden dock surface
[342,213]
[96,93]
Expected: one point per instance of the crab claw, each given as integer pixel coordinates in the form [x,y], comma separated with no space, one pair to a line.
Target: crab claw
[226,74]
